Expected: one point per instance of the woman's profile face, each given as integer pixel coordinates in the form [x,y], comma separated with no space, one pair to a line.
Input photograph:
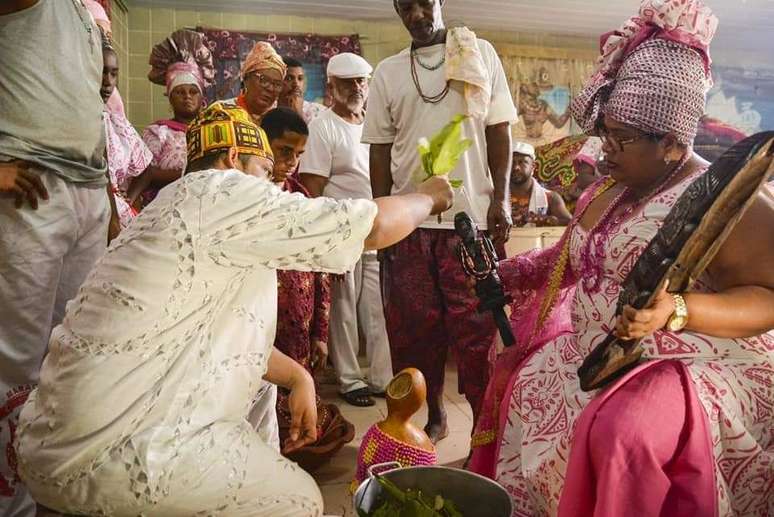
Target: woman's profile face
[633,157]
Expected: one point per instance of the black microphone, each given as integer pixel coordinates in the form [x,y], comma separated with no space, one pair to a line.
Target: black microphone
[479,261]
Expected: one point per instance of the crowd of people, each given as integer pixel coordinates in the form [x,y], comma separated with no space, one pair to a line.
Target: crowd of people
[171,298]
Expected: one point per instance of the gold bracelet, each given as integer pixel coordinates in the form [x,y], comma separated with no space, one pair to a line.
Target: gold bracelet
[679,318]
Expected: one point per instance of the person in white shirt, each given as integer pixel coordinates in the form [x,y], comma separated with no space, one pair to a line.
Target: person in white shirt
[336,165]
[413,95]
[54,195]
[531,203]
[144,397]
[293,90]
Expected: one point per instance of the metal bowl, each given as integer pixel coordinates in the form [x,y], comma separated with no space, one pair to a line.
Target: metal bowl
[473,495]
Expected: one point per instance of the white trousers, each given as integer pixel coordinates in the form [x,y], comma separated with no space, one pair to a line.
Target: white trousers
[45,255]
[358,299]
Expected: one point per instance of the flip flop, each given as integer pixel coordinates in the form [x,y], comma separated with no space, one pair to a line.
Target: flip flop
[360,397]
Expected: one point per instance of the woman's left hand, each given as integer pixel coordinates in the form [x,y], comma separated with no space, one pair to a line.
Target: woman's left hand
[634,324]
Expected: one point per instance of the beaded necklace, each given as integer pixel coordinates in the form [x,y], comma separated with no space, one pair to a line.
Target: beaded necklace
[425,66]
[593,248]
[431,99]
[596,235]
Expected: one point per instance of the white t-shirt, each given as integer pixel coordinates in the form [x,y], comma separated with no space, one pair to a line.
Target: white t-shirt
[334,151]
[397,115]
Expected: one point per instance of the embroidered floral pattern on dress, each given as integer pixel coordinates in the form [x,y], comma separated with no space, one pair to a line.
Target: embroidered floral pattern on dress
[169,152]
[181,351]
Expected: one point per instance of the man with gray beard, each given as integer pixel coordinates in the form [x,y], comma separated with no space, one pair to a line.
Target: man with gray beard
[335,165]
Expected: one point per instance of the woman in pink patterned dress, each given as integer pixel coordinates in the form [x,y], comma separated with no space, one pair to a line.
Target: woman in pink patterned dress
[689,432]
[166,138]
[127,156]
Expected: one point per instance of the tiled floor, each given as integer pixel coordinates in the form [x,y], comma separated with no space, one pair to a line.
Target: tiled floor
[334,478]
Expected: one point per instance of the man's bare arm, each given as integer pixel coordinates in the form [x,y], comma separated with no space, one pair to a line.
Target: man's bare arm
[380,160]
[558,209]
[499,156]
[314,183]
[398,216]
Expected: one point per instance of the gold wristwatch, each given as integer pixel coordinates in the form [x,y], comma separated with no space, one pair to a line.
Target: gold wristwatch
[679,319]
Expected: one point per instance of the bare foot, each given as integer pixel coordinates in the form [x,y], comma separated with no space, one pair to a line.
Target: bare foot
[437,431]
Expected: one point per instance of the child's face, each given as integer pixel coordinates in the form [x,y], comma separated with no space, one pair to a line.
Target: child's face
[287,150]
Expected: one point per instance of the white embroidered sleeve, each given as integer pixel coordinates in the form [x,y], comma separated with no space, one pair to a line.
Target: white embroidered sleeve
[247,221]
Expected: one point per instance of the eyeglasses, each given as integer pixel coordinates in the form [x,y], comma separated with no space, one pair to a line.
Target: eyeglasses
[616,144]
[267,83]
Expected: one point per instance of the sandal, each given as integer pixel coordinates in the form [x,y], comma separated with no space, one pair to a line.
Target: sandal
[359,398]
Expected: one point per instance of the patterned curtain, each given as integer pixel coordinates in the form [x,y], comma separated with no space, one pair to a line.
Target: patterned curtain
[229,48]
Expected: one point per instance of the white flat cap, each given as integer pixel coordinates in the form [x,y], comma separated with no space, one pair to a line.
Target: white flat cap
[348,65]
[523,148]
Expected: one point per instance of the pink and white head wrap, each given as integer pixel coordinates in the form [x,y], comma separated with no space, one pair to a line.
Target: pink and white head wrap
[654,72]
[589,153]
[181,58]
[183,73]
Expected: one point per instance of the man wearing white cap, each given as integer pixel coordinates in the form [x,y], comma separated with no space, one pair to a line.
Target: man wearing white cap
[335,165]
[531,203]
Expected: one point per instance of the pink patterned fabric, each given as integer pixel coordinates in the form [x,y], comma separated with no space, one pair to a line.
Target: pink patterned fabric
[115,104]
[526,278]
[99,9]
[167,145]
[182,46]
[303,305]
[654,72]
[539,412]
[379,447]
[183,73]
[128,157]
[166,140]
[660,466]
[688,22]
[428,309]
[98,13]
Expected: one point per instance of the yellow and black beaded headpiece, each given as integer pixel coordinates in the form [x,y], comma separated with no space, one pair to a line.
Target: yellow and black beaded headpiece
[221,126]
